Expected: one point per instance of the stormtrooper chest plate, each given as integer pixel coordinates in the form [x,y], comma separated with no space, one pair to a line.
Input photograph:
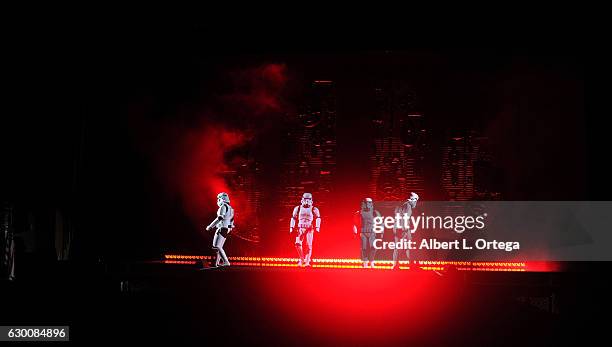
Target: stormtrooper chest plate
[305,217]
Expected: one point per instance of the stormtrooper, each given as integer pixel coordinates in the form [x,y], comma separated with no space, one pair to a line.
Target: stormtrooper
[403,234]
[363,220]
[224,223]
[303,217]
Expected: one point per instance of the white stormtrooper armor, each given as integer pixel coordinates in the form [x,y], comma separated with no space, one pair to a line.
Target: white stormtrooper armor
[363,224]
[304,215]
[224,224]
[399,234]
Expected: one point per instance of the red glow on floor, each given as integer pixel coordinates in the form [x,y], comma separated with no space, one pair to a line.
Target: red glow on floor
[356,306]
[338,300]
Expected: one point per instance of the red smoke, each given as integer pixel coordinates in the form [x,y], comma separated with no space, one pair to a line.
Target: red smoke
[257,90]
[192,160]
[198,176]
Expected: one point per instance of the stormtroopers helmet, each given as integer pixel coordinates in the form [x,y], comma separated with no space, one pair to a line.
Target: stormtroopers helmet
[367,204]
[412,200]
[306,200]
[222,198]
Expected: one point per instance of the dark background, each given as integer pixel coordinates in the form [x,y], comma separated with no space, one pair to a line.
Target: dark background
[68,143]
[67,146]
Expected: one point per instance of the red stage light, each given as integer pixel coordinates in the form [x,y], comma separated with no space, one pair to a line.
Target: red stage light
[348,263]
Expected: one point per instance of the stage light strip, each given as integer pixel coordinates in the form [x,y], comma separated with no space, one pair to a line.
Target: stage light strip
[179,262]
[352,263]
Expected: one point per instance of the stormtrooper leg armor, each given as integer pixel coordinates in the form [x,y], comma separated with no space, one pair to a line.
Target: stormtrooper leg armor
[368,252]
[303,245]
[405,235]
[372,250]
[299,241]
[218,242]
[308,251]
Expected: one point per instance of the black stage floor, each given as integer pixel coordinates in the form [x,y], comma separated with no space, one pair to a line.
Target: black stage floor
[146,302]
